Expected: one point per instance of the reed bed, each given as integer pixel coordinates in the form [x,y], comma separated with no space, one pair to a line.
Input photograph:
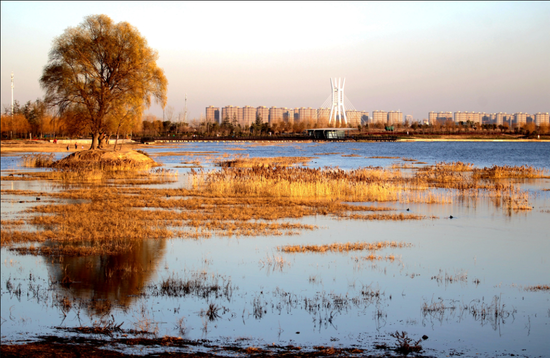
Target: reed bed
[234,201]
[342,247]
[502,172]
[38,160]
[247,162]
[363,184]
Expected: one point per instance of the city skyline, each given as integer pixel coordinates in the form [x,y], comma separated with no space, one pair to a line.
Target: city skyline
[413,57]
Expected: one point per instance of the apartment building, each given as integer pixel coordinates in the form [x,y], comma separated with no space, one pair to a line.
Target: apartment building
[520,118]
[231,113]
[467,116]
[249,116]
[275,115]
[439,116]
[213,114]
[263,113]
[542,118]
[395,117]
[379,117]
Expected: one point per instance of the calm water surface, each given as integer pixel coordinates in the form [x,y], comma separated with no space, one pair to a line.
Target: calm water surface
[447,285]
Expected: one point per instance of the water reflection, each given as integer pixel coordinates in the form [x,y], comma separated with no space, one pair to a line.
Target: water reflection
[107,281]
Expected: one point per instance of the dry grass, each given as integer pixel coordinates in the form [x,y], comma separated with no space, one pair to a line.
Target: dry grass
[247,162]
[501,172]
[233,201]
[38,160]
[346,247]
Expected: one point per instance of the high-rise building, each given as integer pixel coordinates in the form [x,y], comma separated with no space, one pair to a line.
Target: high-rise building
[439,117]
[541,118]
[354,117]
[213,114]
[364,118]
[520,118]
[395,117]
[501,118]
[240,115]
[288,115]
[323,115]
[379,116]
[249,116]
[275,115]
[230,113]
[263,113]
[307,114]
[467,116]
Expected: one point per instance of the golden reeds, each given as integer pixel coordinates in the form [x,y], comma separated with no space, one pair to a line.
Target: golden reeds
[345,247]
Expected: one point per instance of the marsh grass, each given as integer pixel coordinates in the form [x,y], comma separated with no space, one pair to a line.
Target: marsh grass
[199,284]
[342,247]
[247,162]
[38,160]
[232,201]
[518,172]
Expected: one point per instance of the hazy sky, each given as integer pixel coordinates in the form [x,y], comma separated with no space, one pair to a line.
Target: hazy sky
[414,57]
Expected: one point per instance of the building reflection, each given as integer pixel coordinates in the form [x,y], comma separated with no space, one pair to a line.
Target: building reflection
[104,282]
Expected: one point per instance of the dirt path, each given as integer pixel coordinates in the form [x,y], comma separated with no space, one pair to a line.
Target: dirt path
[18,146]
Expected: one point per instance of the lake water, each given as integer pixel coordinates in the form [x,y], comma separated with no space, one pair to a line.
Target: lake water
[462,283]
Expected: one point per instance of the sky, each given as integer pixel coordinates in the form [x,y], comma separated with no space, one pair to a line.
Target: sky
[414,57]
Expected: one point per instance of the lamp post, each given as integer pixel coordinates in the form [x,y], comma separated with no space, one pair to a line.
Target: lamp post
[11,129]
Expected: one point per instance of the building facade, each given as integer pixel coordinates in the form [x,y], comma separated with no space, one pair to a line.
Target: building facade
[542,118]
[379,117]
[275,115]
[464,117]
[395,117]
[213,114]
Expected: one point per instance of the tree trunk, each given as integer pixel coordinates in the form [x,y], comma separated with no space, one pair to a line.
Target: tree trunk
[116,140]
[101,140]
[95,140]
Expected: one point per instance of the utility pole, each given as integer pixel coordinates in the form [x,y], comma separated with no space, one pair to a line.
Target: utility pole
[11,129]
[185,110]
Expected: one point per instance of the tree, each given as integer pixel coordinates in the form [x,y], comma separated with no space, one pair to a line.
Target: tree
[100,68]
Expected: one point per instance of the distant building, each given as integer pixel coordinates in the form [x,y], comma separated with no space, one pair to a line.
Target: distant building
[263,113]
[541,118]
[379,116]
[520,118]
[323,115]
[249,116]
[213,114]
[354,117]
[395,117]
[439,117]
[275,115]
[230,113]
[501,118]
[364,118]
[288,115]
[467,116]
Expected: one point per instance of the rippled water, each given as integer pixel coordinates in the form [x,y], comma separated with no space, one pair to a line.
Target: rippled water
[447,285]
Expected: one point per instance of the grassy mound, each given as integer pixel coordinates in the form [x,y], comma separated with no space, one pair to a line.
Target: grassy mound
[105,159]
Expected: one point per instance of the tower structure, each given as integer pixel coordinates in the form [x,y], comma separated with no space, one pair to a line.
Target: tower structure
[337,109]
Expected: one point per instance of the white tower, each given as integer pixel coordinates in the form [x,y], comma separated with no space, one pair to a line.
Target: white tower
[337,110]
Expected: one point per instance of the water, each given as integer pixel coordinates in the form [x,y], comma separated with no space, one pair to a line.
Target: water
[447,285]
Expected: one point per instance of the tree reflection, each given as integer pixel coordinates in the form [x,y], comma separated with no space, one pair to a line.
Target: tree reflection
[107,281]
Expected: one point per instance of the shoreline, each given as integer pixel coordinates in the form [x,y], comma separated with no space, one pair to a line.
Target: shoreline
[21,146]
